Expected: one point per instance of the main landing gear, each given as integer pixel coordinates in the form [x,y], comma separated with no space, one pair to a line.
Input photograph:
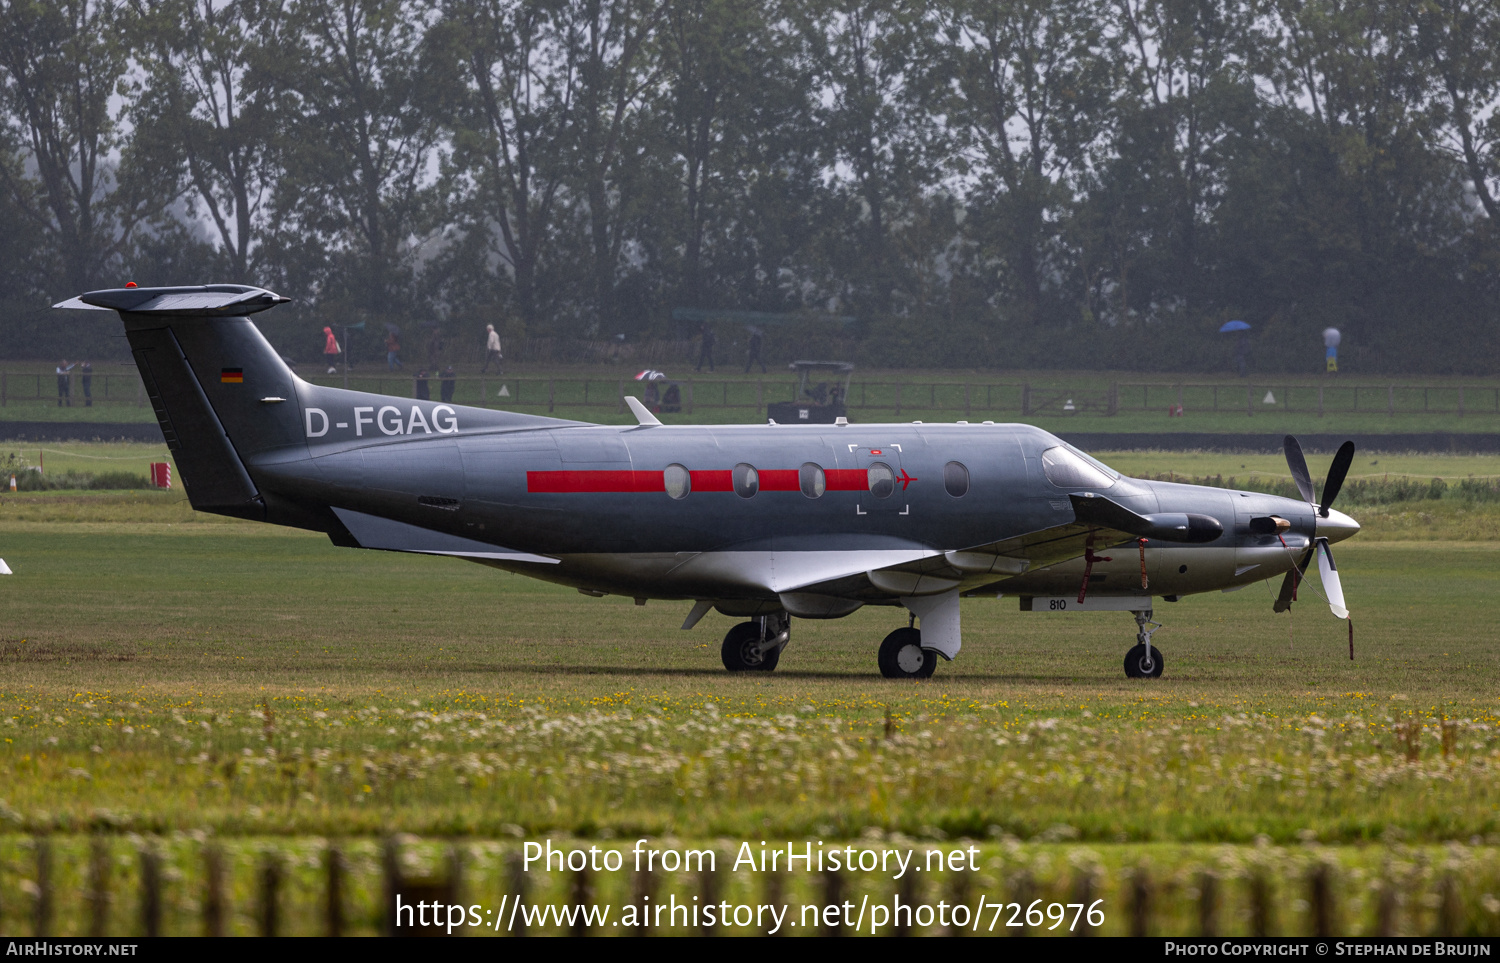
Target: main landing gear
[1144,661]
[755,646]
[902,656]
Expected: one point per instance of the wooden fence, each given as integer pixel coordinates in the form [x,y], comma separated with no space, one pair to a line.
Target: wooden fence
[132,886]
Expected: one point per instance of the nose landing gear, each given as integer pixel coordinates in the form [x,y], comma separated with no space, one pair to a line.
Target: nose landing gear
[755,646]
[1144,661]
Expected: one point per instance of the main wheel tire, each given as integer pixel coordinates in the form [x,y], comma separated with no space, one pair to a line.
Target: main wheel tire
[741,650]
[902,656]
[1137,666]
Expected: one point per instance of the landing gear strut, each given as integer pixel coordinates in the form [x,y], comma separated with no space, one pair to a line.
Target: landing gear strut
[755,646]
[1144,661]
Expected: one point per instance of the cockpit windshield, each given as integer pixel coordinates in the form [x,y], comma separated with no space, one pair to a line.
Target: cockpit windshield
[1067,468]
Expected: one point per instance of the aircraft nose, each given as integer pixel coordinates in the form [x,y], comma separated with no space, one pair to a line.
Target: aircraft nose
[1337,526]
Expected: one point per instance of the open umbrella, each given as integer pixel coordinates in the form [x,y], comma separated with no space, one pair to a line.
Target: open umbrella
[651,374]
[393,329]
[1228,326]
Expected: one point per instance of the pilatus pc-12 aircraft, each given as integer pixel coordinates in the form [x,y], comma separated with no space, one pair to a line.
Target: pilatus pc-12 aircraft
[761,522]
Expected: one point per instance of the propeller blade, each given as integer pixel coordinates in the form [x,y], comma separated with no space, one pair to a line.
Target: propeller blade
[1289,584]
[1298,464]
[1329,572]
[1336,473]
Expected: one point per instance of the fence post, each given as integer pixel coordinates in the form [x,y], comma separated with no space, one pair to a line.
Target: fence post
[708,889]
[150,890]
[1179,398]
[833,895]
[1460,401]
[583,895]
[1320,895]
[333,907]
[966,399]
[98,885]
[642,892]
[1208,904]
[760,398]
[1083,892]
[4,386]
[270,894]
[1114,398]
[1026,400]
[43,906]
[551,393]
[690,396]
[1140,901]
[213,898]
[898,399]
[1249,401]
[1320,401]
[1390,401]
[621,407]
[515,881]
[1260,903]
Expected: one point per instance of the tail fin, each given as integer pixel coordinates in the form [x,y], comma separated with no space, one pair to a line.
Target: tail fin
[201,360]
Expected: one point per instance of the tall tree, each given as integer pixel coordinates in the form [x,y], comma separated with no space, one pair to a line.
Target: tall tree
[878,140]
[80,183]
[1030,95]
[203,103]
[610,40]
[360,124]
[1460,39]
[514,124]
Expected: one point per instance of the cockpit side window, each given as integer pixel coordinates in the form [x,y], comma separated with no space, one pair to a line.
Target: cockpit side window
[1066,468]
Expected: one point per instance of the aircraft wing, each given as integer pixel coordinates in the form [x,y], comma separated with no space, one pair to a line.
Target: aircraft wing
[972,568]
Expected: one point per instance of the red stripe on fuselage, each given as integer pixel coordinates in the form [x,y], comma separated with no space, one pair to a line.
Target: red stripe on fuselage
[716,480]
[575,482]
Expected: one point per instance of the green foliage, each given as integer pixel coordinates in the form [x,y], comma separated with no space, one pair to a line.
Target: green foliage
[1042,183]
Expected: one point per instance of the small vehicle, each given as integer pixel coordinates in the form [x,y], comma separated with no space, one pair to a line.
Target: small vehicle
[822,391]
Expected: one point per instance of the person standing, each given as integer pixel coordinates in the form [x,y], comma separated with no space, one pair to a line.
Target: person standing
[754,357]
[1331,339]
[424,389]
[706,349]
[64,394]
[331,350]
[447,382]
[392,351]
[86,373]
[492,350]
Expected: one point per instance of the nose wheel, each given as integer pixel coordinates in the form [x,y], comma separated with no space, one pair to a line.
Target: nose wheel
[755,646]
[1144,661]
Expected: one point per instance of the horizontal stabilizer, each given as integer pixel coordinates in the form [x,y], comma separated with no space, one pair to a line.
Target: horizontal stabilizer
[208,300]
[384,534]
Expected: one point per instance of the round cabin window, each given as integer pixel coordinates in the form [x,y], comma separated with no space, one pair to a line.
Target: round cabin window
[746,480]
[956,479]
[677,480]
[812,481]
[882,480]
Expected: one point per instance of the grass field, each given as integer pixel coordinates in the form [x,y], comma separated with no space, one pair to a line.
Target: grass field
[168,673]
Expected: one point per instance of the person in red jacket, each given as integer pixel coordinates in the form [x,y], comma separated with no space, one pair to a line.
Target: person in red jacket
[330,350]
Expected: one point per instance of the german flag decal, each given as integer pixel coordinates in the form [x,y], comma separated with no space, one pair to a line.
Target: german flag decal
[232,376]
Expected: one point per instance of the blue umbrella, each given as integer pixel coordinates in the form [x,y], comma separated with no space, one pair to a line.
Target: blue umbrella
[1228,326]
